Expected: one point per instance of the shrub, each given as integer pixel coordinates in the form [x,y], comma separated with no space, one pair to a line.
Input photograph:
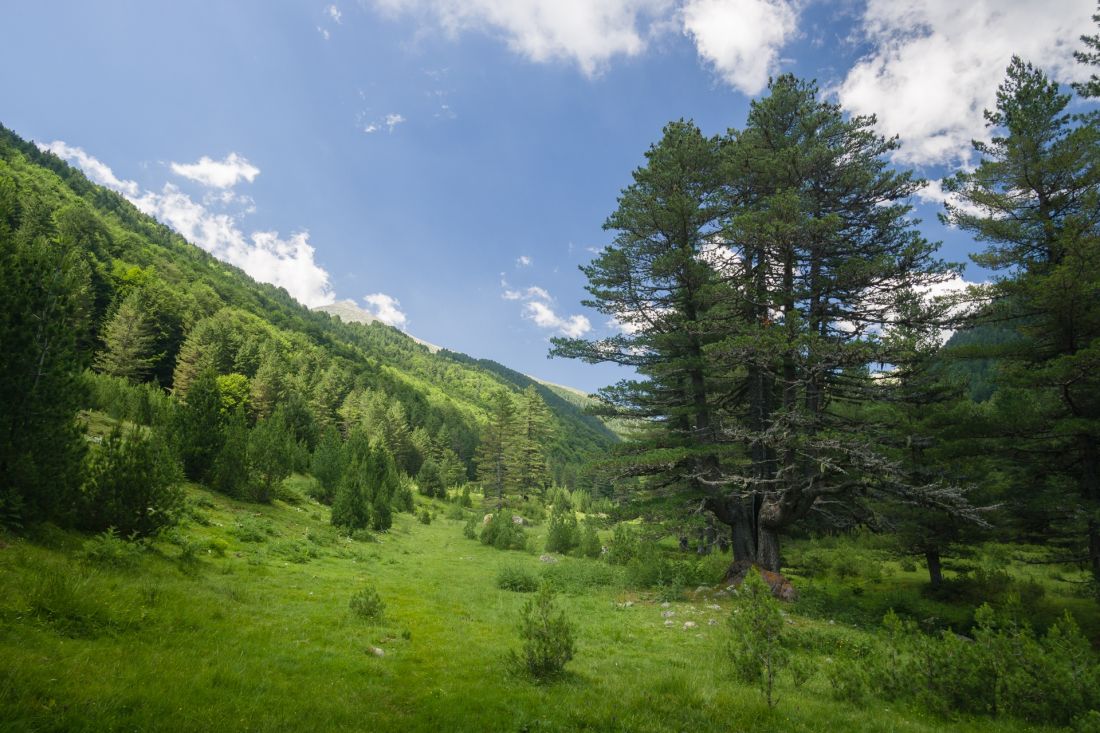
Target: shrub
[547,636]
[424,516]
[367,604]
[502,533]
[454,511]
[294,551]
[580,577]
[517,579]
[469,530]
[252,530]
[133,485]
[562,535]
[111,550]
[623,546]
[590,541]
[756,625]
[465,500]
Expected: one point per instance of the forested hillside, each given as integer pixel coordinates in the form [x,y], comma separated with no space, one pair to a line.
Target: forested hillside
[107,310]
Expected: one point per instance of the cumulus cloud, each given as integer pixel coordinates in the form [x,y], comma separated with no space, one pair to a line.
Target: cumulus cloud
[545,317]
[334,13]
[586,33]
[936,65]
[523,261]
[740,39]
[218,173]
[387,309]
[324,33]
[96,170]
[287,263]
[538,307]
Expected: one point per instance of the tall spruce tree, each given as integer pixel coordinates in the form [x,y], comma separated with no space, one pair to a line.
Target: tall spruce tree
[532,436]
[44,305]
[494,450]
[754,275]
[1034,199]
[128,342]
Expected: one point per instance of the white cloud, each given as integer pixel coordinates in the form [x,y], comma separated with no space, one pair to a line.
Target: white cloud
[936,65]
[387,309]
[393,120]
[740,39]
[324,33]
[370,128]
[334,13]
[95,170]
[545,317]
[538,307]
[583,32]
[218,173]
[933,193]
[286,263]
[523,261]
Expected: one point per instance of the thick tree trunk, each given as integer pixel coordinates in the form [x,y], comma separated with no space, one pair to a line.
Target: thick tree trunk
[767,549]
[935,570]
[739,514]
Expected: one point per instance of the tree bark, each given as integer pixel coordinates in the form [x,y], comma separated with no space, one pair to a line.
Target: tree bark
[738,513]
[767,549]
[935,570]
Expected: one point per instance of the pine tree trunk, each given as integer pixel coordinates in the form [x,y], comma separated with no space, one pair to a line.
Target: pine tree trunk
[935,570]
[767,549]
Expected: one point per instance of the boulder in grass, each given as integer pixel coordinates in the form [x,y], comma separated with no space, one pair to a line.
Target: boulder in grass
[517,519]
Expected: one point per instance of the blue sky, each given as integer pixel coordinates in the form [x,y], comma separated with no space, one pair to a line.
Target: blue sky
[452,161]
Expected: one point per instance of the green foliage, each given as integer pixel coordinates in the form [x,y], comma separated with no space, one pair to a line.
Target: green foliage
[367,604]
[142,404]
[328,464]
[623,546]
[44,305]
[502,533]
[756,628]
[110,550]
[271,447]
[469,529]
[249,529]
[429,480]
[561,534]
[232,474]
[197,427]
[367,488]
[133,485]
[129,339]
[424,516]
[517,579]
[547,636]
[590,541]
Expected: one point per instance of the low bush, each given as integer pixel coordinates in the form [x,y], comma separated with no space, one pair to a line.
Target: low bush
[502,533]
[424,516]
[367,604]
[517,579]
[111,550]
[623,546]
[562,535]
[547,637]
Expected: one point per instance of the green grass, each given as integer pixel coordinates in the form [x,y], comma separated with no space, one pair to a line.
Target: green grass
[210,631]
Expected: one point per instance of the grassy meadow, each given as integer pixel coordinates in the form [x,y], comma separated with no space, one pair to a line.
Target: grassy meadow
[239,619]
